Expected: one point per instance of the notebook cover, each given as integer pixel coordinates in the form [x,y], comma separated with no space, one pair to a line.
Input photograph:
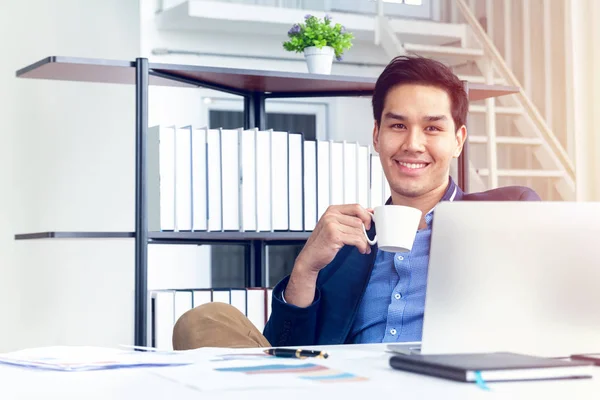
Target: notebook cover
[456,366]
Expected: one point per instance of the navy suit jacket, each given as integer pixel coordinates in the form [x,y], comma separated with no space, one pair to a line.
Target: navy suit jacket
[341,285]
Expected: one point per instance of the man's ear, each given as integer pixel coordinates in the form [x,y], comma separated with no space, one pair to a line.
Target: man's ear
[376,136]
[461,136]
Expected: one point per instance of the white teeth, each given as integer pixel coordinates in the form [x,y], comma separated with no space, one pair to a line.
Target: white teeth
[412,166]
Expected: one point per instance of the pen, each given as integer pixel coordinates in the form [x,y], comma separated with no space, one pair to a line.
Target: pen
[296,353]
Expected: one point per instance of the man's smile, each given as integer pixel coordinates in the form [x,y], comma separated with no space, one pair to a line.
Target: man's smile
[411,167]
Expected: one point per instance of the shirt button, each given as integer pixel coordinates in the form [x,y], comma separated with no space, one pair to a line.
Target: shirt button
[393,331]
[400,258]
[397,296]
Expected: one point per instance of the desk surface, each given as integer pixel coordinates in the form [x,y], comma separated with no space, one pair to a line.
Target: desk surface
[385,383]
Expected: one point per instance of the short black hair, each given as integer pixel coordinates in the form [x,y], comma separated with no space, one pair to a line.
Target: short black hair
[422,71]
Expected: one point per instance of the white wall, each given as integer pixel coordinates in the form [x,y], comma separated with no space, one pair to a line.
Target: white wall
[9,300]
[352,120]
[73,170]
[73,157]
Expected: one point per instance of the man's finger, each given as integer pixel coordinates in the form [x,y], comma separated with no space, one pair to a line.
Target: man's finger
[356,210]
[357,240]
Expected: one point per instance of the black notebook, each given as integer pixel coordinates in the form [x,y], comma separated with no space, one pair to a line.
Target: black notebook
[491,367]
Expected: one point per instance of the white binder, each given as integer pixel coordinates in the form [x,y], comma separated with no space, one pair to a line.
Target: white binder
[310,185]
[248,180]
[323,183]
[183,179]
[257,307]
[376,181]
[296,181]
[279,183]
[363,174]
[221,296]
[213,140]
[183,303]
[269,302]
[163,318]
[263,180]
[336,173]
[350,173]
[202,296]
[199,180]
[160,153]
[238,300]
[230,180]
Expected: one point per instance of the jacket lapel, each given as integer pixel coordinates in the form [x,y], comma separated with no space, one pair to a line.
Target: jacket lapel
[342,286]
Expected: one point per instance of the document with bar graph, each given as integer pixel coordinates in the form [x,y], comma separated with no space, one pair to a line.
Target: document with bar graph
[242,369]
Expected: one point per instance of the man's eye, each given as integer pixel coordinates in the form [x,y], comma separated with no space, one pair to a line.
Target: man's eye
[432,129]
[399,126]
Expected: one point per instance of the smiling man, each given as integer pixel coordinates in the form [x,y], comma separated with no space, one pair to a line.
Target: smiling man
[339,290]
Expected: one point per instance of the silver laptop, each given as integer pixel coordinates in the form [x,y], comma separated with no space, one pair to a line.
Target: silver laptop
[513,276]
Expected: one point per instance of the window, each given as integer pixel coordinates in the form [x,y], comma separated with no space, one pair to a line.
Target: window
[305,123]
[310,118]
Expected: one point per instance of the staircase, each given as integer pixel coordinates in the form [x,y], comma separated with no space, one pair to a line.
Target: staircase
[510,143]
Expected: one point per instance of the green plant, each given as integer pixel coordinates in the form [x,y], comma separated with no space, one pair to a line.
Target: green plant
[316,32]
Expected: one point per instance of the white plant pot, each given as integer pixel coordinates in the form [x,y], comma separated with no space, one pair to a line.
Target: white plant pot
[319,60]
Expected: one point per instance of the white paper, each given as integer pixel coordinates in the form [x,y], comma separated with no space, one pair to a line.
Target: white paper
[86,358]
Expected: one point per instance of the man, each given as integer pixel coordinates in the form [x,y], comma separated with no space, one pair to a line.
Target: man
[341,290]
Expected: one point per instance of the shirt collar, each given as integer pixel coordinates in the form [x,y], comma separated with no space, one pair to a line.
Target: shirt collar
[452,193]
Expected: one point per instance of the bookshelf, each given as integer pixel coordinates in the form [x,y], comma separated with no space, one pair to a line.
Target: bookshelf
[255,86]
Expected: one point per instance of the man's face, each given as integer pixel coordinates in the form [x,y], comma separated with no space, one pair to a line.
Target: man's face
[417,140]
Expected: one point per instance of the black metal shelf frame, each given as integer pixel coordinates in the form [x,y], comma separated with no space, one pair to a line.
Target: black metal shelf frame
[255,249]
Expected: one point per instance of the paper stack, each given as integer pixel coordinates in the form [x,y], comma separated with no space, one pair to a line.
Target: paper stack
[85,358]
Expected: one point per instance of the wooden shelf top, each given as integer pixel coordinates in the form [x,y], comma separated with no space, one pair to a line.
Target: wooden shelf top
[74,235]
[207,237]
[271,83]
[175,237]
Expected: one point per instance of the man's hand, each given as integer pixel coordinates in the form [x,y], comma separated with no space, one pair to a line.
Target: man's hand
[340,225]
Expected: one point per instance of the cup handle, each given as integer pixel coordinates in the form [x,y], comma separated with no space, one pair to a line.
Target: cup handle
[371,242]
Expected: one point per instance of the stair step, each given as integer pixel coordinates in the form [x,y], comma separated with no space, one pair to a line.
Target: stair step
[427,32]
[499,110]
[523,173]
[480,79]
[443,51]
[519,140]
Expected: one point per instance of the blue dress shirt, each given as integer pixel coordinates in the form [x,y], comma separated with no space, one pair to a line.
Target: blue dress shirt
[392,307]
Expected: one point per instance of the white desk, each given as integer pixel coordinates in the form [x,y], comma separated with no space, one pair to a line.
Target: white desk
[385,383]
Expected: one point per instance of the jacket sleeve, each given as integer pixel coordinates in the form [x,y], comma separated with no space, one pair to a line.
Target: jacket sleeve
[290,325]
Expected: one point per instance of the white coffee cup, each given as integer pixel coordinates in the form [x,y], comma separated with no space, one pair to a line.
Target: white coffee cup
[396,228]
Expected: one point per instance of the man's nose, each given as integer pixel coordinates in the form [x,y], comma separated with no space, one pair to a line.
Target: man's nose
[415,141]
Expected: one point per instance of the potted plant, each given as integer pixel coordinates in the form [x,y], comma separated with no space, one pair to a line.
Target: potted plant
[320,40]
